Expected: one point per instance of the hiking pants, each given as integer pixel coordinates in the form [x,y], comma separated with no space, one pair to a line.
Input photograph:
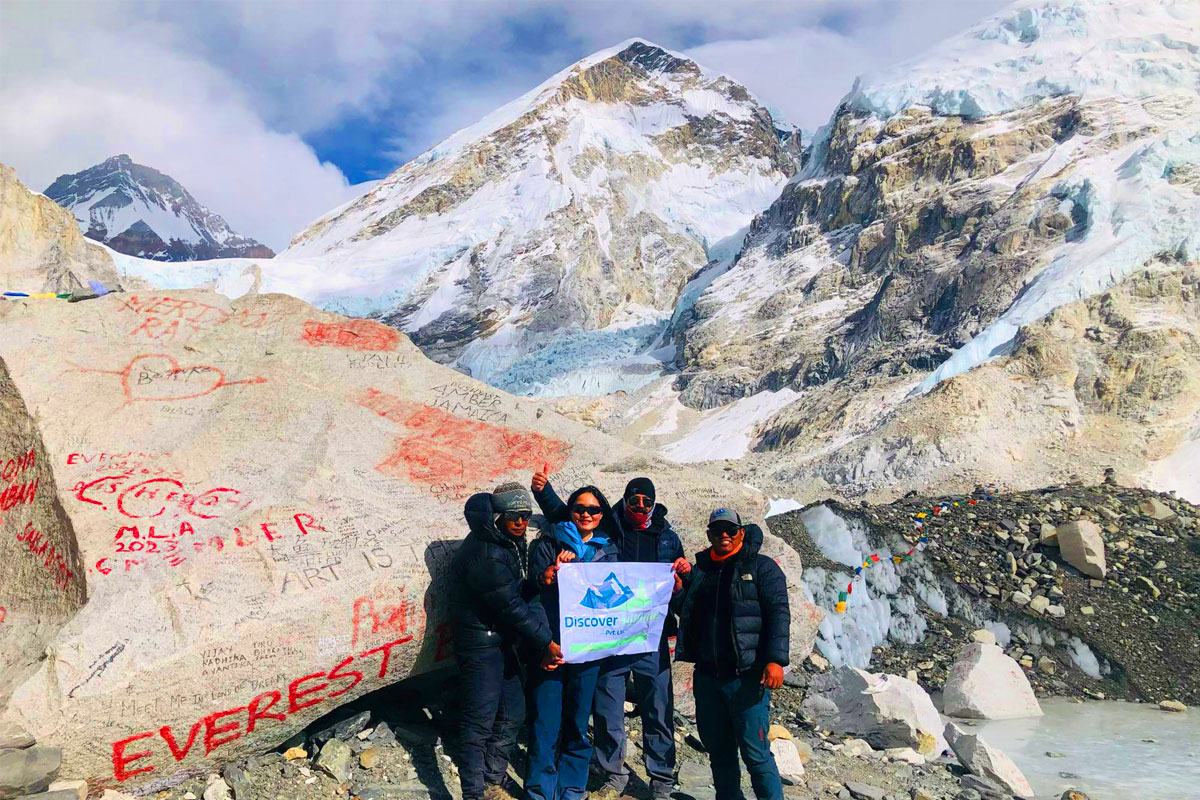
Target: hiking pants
[492,708]
[652,694]
[559,750]
[732,716]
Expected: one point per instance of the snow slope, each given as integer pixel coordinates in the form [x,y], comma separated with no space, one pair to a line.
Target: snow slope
[590,199]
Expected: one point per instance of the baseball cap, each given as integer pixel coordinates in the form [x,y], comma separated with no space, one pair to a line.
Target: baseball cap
[725,515]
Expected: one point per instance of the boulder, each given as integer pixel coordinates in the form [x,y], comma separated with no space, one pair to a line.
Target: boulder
[986,761]
[865,791]
[79,789]
[266,498]
[217,789]
[334,760]
[1156,509]
[14,737]
[985,636]
[886,710]
[42,248]
[42,577]
[984,683]
[29,770]
[1082,546]
[787,759]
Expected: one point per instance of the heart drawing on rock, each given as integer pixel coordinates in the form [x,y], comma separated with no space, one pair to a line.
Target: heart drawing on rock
[158,376]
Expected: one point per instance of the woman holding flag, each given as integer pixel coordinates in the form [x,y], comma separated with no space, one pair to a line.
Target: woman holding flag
[559,749]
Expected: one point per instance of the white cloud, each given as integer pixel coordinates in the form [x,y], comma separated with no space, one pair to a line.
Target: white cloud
[218,95]
[801,73]
[89,93]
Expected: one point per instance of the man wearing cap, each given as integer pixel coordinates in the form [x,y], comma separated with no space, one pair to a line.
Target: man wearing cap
[490,619]
[646,536]
[734,625]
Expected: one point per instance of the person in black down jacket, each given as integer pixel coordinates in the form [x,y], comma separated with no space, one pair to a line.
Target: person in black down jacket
[559,750]
[490,619]
[734,625]
[646,536]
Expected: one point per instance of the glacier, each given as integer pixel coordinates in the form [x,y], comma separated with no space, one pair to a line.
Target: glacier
[1135,209]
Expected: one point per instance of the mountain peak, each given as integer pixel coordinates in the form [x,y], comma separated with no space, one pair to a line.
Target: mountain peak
[653,58]
[563,224]
[140,211]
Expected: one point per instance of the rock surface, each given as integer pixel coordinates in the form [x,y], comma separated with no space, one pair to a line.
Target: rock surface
[42,577]
[986,761]
[1082,547]
[41,248]
[236,482]
[28,770]
[885,710]
[984,683]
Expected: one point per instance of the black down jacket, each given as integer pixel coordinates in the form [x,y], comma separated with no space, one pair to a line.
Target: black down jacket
[488,587]
[760,615]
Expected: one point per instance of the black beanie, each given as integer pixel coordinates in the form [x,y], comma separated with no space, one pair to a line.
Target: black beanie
[640,486]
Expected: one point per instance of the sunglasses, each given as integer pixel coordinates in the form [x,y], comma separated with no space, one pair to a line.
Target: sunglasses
[592,511]
[640,501]
[717,531]
[516,516]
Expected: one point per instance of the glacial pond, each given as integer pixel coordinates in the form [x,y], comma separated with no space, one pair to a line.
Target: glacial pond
[1119,751]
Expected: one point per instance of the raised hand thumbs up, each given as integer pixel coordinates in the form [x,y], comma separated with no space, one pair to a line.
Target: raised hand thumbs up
[540,478]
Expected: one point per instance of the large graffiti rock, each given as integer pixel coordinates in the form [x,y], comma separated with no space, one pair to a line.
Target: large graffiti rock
[42,582]
[266,498]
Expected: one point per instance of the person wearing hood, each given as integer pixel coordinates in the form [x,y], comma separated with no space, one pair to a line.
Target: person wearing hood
[734,626]
[490,620]
[559,750]
[646,536]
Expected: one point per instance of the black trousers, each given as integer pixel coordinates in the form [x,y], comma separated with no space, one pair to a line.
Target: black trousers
[493,709]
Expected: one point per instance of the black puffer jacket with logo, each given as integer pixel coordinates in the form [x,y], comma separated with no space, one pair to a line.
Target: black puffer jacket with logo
[488,587]
[760,616]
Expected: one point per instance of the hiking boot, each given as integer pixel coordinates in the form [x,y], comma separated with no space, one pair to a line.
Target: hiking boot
[507,790]
[661,790]
[609,791]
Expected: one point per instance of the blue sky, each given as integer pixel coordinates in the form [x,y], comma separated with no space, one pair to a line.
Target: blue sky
[271,112]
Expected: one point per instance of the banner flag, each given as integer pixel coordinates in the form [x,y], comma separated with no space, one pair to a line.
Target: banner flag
[612,608]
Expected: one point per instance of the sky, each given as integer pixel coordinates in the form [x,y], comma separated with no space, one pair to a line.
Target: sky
[273,113]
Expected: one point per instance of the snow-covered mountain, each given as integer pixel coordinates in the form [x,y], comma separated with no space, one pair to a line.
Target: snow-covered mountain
[1038,159]
[549,242]
[142,212]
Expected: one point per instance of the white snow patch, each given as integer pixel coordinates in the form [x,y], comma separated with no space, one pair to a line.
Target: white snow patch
[1001,631]
[782,505]
[1084,658]
[1180,471]
[728,431]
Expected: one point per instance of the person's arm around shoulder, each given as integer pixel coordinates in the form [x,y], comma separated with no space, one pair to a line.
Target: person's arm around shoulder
[774,638]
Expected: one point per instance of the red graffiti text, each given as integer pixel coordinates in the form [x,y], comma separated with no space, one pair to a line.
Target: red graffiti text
[440,446]
[355,334]
[52,561]
[223,727]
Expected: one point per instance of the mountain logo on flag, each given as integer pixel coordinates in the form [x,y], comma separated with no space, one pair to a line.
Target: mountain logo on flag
[609,594]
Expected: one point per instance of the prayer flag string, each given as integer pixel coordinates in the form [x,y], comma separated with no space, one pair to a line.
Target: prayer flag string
[918,521]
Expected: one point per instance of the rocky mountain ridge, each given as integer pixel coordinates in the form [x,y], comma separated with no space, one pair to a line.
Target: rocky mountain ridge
[1045,159]
[559,231]
[137,210]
